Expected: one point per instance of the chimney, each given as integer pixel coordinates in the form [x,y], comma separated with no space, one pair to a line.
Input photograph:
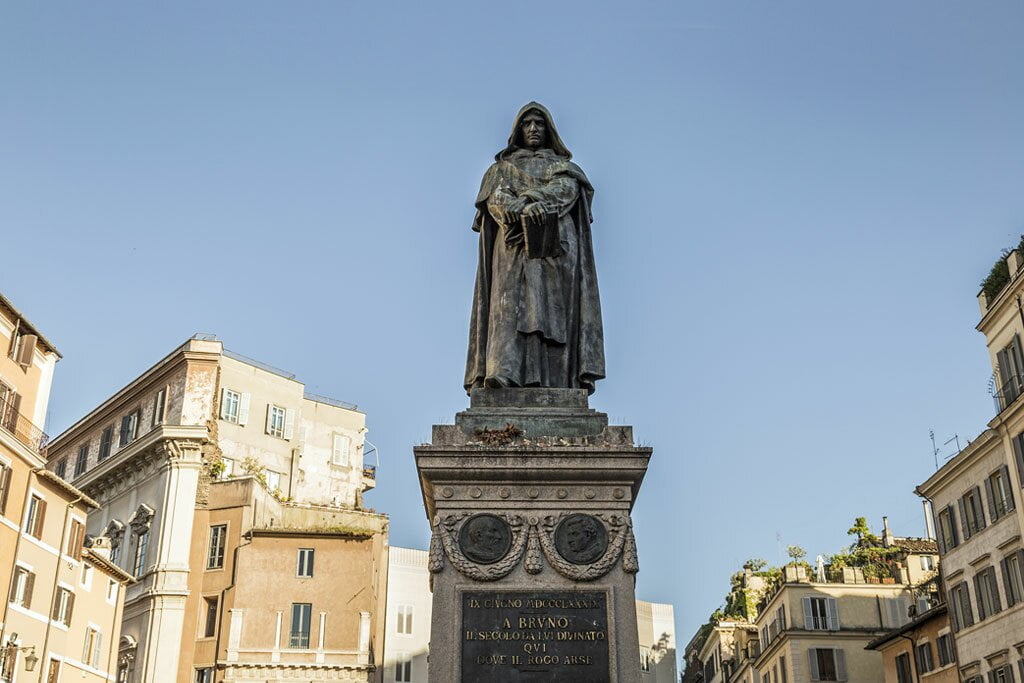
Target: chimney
[929,526]
[887,537]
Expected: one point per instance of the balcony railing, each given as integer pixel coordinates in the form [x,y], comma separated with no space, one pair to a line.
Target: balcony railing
[1006,393]
[21,427]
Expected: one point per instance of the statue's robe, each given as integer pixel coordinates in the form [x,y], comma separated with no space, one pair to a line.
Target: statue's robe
[535,321]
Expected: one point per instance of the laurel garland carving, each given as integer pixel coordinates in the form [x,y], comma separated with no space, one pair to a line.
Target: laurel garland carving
[619,529]
[446,530]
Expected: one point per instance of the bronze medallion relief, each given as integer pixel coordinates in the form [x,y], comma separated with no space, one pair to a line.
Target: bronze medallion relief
[581,539]
[485,539]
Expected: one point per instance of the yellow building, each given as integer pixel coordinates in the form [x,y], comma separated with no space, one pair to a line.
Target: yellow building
[920,650]
[235,498]
[64,597]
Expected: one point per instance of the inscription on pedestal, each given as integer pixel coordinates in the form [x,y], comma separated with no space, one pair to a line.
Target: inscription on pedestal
[527,636]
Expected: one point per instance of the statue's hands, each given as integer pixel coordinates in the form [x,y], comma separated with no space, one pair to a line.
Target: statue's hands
[513,211]
[534,212]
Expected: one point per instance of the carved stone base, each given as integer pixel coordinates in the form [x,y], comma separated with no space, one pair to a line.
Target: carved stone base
[532,554]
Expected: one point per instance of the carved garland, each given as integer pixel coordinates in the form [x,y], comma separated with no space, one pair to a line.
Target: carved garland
[533,542]
[446,530]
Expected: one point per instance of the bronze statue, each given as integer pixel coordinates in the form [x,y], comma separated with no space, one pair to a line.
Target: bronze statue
[536,318]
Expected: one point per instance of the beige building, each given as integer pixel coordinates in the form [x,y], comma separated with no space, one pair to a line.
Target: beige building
[64,598]
[923,648]
[975,498]
[235,499]
[407,639]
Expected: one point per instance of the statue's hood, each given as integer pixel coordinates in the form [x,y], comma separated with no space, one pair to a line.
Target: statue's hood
[554,141]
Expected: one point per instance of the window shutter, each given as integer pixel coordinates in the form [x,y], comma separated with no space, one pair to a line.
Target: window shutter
[978,595]
[979,509]
[85,646]
[37,528]
[289,424]
[990,579]
[840,664]
[70,610]
[808,617]
[27,349]
[99,639]
[1018,456]
[5,487]
[243,409]
[223,406]
[893,606]
[963,519]
[1011,504]
[955,540]
[55,610]
[30,582]
[1010,597]
[832,609]
[812,655]
[270,412]
[993,513]
[14,586]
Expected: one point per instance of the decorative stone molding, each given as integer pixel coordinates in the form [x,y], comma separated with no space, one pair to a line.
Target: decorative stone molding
[533,539]
[141,519]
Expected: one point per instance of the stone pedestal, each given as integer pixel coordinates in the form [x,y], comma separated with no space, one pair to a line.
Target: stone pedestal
[532,555]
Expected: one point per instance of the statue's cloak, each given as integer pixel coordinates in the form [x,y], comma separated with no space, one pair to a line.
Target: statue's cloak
[577,335]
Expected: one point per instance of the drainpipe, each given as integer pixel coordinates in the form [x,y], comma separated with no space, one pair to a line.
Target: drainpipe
[17,544]
[53,591]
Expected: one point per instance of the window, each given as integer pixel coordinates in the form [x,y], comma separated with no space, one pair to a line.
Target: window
[61,470]
[405,620]
[82,459]
[903,674]
[129,428]
[304,566]
[821,614]
[340,451]
[141,544]
[301,613]
[944,644]
[709,669]
[782,670]
[10,403]
[106,441]
[1013,578]
[927,563]
[204,675]
[960,602]
[229,468]
[230,401]
[86,578]
[987,593]
[273,480]
[111,591]
[827,664]
[1009,364]
[21,587]
[276,417]
[159,407]
[75,540]
[947,530]
[35,517]
[972,517]
[403,668]
[923,657]
[645,658]
[5,486]
[1003,674]
[63,606]
[210,617]
[1000,494]
[91,650]
[215,554]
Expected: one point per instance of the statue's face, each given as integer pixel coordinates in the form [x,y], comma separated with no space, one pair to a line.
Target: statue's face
[534,130]
[579,537]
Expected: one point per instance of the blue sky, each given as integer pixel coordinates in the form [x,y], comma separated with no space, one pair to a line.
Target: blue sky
[795,204]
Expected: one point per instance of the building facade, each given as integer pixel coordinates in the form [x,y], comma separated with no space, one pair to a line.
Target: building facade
[975,499]
[407,632]
[64,598]
[920,650]
[207,458]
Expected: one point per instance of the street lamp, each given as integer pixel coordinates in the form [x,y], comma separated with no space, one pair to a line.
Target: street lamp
[13,649]
[30,659]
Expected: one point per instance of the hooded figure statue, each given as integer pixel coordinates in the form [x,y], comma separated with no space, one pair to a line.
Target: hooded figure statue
[536,318]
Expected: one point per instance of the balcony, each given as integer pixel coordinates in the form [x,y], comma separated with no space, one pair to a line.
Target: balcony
[21,427]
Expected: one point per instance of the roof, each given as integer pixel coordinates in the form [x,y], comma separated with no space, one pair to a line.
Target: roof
[933,613]
[32,328]
[109,566]
[923,546]
[67,488]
